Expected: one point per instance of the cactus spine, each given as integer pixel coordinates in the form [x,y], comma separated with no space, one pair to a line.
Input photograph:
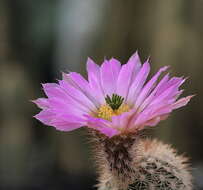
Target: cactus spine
[130,162]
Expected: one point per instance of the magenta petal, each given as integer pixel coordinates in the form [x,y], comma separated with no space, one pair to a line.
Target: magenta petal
[181,102]
[94,78]
[54,90]
[67,122]
[138,83]
[77,95]
[45,116]
[156,120]
[125,78]
[109,75]
[68,107]
[101,125]
[173,81]
[59,121]
[77,81]
[68,95]
[179,92]
[135,59]
[110,132]
[121,122]
[148,87]
[168,94]
[149,115]
[41,103]
[153,95]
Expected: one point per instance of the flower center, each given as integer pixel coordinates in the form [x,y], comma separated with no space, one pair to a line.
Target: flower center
[115,101]
[114,106]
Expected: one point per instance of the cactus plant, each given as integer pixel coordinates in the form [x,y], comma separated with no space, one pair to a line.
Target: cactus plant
[132,162]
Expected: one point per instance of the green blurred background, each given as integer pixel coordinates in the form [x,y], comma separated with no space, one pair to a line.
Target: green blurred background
[41,38]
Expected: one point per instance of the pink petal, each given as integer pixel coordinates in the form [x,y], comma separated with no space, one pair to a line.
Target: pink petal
[81,84]
[53,90]
[156,120]
[121,122]
[45,116]
[150,114]
[59,121]
[135,59]
[127,75]
[67,106]
[175,80]
[181,102]
[138,83]
[67,122]
[148,87]
[77,95]
[109,75]
[69,94]
[110,132]
[152,96]
[101,125]
[41,103]
[168,94]
[94,78]
[178,94]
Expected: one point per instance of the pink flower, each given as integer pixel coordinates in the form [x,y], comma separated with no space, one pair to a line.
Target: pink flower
[114,100]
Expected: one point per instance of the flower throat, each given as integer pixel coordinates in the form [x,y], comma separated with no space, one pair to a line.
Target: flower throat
[114,106]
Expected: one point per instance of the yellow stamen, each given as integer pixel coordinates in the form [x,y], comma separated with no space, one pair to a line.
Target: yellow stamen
[122,108]
[106,112]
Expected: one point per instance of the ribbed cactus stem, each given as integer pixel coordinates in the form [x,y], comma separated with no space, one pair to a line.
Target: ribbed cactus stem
[114,159]
[128,162]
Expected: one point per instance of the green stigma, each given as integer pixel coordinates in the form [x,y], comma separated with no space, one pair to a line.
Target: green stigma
[115,101]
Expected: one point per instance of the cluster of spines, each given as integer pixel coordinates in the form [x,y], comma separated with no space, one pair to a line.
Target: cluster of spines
[152,176]
[156,174]
[117,154]
[112,157]
[145,168]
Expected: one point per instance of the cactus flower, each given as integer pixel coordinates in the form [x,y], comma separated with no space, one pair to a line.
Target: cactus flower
[116,99]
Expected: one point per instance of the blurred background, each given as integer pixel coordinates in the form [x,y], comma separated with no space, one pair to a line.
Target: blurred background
[41,38]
